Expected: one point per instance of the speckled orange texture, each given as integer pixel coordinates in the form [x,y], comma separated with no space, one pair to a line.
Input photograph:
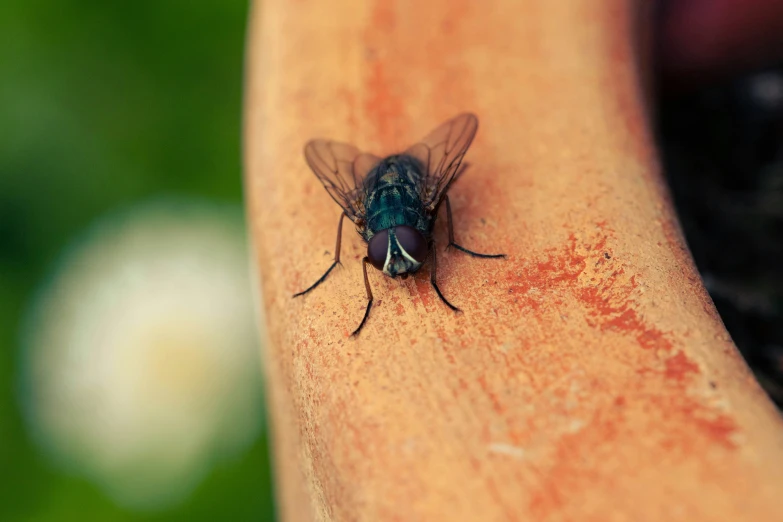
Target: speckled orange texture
[589,377]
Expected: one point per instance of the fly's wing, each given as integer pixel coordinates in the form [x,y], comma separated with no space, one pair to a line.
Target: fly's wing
[441,153]
[341,168]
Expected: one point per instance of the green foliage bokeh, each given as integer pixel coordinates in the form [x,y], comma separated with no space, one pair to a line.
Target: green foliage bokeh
[103,104]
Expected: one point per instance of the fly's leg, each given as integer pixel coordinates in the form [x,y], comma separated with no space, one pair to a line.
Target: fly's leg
[451,236]
[369,296]
[433,271]
[336,258]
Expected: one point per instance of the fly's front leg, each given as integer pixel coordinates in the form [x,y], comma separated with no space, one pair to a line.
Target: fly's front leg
[451,236]
[369,296]
[433,271]
[336,258]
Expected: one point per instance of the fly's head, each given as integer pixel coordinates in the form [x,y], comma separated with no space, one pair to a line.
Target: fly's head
[398,251]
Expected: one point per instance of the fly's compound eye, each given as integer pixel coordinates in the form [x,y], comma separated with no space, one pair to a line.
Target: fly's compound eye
[378,249]
[412,242]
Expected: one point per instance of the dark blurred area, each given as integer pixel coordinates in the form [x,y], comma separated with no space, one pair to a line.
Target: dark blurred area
[722,150]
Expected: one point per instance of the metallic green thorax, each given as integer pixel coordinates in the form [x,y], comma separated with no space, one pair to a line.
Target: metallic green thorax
[393,199]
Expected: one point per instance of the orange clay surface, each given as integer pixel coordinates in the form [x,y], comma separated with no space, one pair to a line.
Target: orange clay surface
[589,377]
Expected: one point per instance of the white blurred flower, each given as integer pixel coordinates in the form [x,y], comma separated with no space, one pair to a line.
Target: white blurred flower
[141,366]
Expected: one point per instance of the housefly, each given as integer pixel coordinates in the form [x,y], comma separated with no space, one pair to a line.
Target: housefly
[394,201]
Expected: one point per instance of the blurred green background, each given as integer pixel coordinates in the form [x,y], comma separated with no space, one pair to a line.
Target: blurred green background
[103,105]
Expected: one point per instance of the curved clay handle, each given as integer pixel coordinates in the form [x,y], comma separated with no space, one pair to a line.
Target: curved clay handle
[589,377]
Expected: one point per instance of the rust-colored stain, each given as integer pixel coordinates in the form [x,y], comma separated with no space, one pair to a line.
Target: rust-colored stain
[384,105]
[452,82]
[383,17]
[424,289]
[586,271]
[679,367]
[390,53]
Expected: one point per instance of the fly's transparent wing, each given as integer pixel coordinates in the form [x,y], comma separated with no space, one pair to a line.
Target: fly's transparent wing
[441,153]
[341,168]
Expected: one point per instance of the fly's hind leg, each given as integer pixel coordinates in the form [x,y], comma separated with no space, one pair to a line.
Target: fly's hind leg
[369,296]
[451,236]
[433,271]
[336,258]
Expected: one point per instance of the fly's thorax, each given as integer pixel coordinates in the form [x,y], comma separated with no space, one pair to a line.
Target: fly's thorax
[395,169]
[398,250]
[393,196]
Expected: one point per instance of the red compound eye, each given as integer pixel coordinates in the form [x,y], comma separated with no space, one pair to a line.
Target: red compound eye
[378,249]
[412,242]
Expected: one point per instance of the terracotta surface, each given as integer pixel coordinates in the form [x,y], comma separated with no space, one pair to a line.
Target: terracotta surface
[589,377]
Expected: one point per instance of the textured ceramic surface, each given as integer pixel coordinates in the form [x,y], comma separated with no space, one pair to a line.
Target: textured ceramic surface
[589,377]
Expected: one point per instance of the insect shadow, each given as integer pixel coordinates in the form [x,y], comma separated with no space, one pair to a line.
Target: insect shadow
[394,201]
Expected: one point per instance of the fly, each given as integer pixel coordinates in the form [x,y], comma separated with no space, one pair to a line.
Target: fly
[394,201]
